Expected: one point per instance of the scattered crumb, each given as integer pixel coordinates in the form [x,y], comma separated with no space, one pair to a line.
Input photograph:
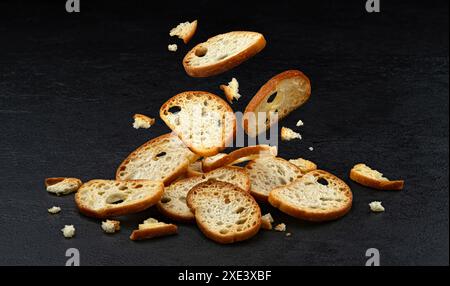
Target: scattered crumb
[376,207]
[311,148]
[54,210]
[142,121]
[266,221]
[280,227]
[68,231]
[110,226]
[289,134]
[231,90]
[172,48]
[299,123]
[288,234]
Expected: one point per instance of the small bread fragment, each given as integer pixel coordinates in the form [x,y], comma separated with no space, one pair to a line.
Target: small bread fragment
[202,120]
[172,48]
[164,158]
[266,221]
[267,173]
[195,169]
[281,95]
[299,123]
[317,196]
[173,202]
[68,231]
[288,134]
[151,228]
[304,165]
[54,210]
[231,90]
[238,156]
[368,177]
[184,31]
[224,212]
[222,52]
[105,198]
[110,226]
[142,121]
[376,207]
[62,186]
[280,227]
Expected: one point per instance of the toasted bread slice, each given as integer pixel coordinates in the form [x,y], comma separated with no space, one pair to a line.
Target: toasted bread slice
[105,198]
[224,212]
[368,177]
[317,196]
[202,120]
[195,169]
[62,186]
[267,173]
[151,228]
[238,156]
[231,90]
[164,158]
[222,52]
[173,201]
[281,95]
[142,121]
[184,31]
[304,165]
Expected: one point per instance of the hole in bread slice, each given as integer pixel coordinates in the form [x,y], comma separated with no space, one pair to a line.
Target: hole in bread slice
[201,51]
[116,198]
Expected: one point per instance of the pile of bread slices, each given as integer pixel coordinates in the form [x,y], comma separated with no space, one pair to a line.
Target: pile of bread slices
[186,177]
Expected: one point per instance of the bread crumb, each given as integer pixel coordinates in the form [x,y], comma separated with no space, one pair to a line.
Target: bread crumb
[184,31]
[172,48]
[299,123]
[288,234]
[231,90]
[376,207]
[311,148]
[54,210]
[62,186]
[68,231]
[142,121]
[280,227]
[110,226]
[288,134]
[266,221]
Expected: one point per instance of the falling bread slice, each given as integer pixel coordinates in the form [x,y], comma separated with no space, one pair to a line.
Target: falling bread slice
[222,52]
[368,177]
[106,198]
[238,156]
[317,196]
[202,120]
[267,173]
[161,159]
[173,201]
[281,95]
[62,186]
[184,31]
[304,165]
[151,228]
[224,212]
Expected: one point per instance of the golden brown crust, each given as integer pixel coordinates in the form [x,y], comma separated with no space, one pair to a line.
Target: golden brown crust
[315,216]
[225,239]
[224,65]
[55,180]
[201,152]
[149,120]
[191,33]
[118,210]
[163,230]
[181,170]
[247,153]
[267,89]
[228,91]
[396,185]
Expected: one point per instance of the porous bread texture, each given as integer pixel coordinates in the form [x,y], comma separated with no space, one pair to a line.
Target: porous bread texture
[288,134]
[369,177]
[202,120]
[161,159]
[184,31]
[173,202]
[62,186]
[317,196]
[277,98]
[142,121]
[105,198]
[151,228]
[267,173]
[304,165]
[224,212]
[231,90]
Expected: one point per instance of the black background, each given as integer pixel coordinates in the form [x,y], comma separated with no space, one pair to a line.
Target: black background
[70,83]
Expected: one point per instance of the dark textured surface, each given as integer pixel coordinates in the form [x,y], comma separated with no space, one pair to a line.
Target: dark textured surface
[69,85]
